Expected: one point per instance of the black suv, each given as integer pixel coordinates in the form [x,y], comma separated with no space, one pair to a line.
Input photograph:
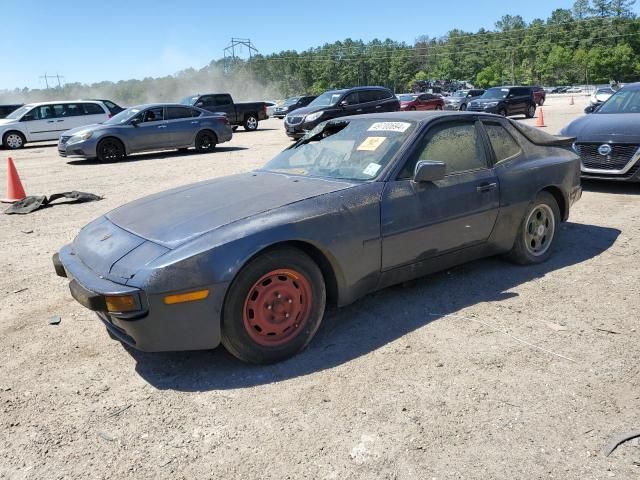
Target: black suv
[505,101]
[291,104]
[340,103]
[7,109]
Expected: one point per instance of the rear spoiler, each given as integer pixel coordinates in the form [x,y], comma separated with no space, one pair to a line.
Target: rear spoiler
[538,137]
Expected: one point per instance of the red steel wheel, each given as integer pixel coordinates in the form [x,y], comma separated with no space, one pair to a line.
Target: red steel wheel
[277,307]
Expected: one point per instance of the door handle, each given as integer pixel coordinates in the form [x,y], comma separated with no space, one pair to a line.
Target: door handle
[486,187]
[162,126]
[359,110]
[195,123]
[378,106]
[60,120]
[49,121]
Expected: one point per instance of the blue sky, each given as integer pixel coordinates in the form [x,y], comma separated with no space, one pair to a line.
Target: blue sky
[115,39]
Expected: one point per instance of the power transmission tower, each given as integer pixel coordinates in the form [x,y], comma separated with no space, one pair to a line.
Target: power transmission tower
[230,56]
[56,76]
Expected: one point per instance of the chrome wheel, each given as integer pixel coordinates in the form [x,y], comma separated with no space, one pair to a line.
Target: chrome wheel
[251,123]
[539,231]
[13,141]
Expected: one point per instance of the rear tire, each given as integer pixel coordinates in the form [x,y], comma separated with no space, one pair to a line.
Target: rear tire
[274,307]
[438,107]
[250,123]
[541,102]
[463,107]
[13,140]
[531,111]
[206,141]
[110,150]
[537,232]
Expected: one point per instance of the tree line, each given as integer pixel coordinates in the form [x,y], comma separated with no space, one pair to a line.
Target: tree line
[596,41]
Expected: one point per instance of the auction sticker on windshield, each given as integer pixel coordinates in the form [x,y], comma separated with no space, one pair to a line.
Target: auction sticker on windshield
[371,169]
[371,144]
[389,127]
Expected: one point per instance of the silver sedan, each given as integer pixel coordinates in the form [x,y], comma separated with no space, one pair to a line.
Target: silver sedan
[144,128]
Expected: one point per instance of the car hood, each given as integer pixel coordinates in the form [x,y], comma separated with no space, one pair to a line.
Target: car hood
[605,127]
[7,121]
[177,216]
[93,128]
[302,111]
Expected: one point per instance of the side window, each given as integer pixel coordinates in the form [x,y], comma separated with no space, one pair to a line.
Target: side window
[369,96]
[195,113]
[153,115]
[47,111]
[503,144]
[205,101]
[174,113]
[33,114]
[92,109]
[457,144]
[352,98]
[221,100]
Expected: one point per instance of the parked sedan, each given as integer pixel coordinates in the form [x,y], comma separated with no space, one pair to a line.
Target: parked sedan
[420,101]
[144,128]
[608,140]
[600,96]
[360,203]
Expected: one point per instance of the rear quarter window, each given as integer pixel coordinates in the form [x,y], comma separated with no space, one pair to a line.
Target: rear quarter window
[92,109]
[503,144]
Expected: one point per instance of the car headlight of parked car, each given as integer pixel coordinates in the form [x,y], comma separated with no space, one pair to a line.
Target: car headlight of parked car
[313,116]
[491,104]
[80,137]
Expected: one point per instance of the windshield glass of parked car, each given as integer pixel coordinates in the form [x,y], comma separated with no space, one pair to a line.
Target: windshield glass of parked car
[19,112]
[354,149]
[123,117]
[407,98]
[624,101]
[495,93]
[326,99]
[290,101]
[188,100]
[460,93]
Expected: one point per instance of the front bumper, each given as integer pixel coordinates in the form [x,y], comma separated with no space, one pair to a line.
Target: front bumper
[298,130]
[84,149]
[482,108]
[452,106]
[153,326]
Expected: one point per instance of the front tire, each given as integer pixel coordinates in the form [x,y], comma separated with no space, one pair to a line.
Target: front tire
[110,150]
[274,307]
[537,232]
[502,112]
[13,140]
[251,123]
[463,107]
[205,141]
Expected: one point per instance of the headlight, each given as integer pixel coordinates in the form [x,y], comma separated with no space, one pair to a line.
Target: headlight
[491,104]
[313,116]
[80,137]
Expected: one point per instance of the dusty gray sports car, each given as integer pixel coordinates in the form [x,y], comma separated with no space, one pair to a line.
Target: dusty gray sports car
[145,128]
[359,203]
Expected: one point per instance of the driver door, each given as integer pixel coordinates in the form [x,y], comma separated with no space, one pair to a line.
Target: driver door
[424,220]
[151,131]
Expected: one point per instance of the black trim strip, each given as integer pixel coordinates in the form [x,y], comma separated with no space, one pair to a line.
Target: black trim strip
[50,131]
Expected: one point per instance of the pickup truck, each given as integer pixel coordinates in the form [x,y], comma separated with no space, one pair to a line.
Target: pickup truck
[247,114]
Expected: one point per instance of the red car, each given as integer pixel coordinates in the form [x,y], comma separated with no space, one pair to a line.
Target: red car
[539,95]
[420,101]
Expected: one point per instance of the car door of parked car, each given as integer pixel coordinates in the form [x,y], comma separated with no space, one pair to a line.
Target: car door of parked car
[151,131]
[519,100]
[42,124]
[182,126]
[424,220]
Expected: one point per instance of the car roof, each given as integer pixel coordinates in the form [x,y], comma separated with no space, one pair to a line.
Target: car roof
[632,86]
[60,102]
[151,105]
[416,116]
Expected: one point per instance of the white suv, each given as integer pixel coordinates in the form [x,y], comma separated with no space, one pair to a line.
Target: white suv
[35,122]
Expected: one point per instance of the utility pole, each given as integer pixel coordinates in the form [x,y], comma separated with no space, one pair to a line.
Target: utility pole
[230,51]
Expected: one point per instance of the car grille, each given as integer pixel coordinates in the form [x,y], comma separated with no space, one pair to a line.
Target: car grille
[294,120]
[475,107]
[64,139]
[620,156]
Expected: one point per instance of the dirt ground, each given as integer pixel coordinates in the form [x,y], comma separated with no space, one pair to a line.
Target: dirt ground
[486,371]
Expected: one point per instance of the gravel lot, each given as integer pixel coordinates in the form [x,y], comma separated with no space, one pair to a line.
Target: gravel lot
[486,371]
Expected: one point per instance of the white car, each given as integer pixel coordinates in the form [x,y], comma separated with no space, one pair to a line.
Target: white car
[574,90]
[36,122]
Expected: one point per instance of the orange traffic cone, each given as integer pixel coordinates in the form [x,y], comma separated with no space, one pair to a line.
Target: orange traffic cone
[571,102]
[15,191]
[540,122]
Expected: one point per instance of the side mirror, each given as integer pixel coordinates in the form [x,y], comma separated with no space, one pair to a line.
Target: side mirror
[590,109]
[199,104]
[135,122]
[344,103]
[429,171]
[27,117]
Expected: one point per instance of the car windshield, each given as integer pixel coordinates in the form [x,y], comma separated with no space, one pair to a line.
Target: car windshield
[123,117]
[623,101]
[407,98]
[188,100]
[19,112]
[354,149]
[290,101]
[496,93]
[604,90]
[326,99]
[460,93]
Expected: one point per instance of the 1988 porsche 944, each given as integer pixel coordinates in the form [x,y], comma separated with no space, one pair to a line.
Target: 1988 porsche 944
[359,203]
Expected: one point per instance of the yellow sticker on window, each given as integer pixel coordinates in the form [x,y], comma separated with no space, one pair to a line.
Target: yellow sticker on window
[371,144]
